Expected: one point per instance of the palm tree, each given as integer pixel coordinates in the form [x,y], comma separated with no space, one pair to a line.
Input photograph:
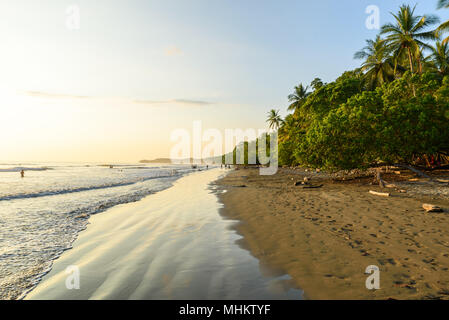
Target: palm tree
[316,83]
[440,57]
[298,97]
[405,37]
[274,119]
[445,25]
[287,127]
[378,66]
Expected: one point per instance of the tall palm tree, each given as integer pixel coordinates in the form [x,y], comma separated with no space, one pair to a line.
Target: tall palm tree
[406,36]
[316,83]
[298,97]
[378,66]
[445,25]
[440,57]
[274,119]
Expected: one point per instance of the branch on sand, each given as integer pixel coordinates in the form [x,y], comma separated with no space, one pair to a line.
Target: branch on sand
[418,172]
[382,182]
[431,208]
[382,194]
[313,187]
[379,178]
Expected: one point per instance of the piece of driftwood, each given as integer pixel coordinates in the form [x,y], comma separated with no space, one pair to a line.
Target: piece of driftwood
[382,194]
[446,166]
[82,216]
[379,178]
[391,185]
[313,187]
[431,208]
[418,172]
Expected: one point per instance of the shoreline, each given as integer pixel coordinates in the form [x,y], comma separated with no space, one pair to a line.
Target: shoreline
[171,245]
[325,238]
[18,288]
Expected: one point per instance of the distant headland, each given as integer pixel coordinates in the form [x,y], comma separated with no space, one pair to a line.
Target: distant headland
[158,160]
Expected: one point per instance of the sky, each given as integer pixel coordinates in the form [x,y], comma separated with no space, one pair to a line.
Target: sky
[115,86]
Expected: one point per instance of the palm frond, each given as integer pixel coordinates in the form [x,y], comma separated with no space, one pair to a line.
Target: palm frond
[443,4]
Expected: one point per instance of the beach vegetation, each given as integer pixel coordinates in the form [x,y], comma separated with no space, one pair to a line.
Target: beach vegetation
[393,109]
[274,119]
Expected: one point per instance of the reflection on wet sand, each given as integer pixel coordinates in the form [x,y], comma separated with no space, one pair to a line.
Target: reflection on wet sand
[171,245]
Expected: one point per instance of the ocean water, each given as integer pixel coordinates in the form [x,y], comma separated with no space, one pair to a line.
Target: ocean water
[172,245]
[42,213]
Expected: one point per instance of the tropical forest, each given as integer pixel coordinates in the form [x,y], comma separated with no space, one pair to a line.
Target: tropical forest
[393,109]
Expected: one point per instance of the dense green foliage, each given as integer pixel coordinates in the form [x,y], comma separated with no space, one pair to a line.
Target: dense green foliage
[395,108]
[386,124]
[249,152]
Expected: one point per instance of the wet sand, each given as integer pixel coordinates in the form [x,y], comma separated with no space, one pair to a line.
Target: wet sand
[325,238]
[171,245]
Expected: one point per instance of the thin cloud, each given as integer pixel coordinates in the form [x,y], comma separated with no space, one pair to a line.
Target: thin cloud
[40,94]
[179,102]
[175,101]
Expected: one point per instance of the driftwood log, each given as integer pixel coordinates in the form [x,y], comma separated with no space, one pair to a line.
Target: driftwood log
[422,174]
[313,187]
[382,194]
[418,172]
[379,178]
[431,208]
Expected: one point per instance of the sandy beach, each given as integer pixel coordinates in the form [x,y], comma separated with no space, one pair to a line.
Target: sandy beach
[171,245]
[324,238]
[221,234]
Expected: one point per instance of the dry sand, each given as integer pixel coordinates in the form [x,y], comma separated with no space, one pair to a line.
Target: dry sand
[325,238]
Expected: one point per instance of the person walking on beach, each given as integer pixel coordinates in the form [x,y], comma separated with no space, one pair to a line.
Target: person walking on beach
[22,173]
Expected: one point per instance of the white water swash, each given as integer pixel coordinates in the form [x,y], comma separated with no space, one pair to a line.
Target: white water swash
[174,244]
[42,213]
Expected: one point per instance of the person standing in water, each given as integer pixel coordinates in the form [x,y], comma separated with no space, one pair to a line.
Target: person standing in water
[22,173]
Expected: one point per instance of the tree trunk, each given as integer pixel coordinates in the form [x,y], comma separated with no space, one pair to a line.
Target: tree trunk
[420,65]
[410,60]
[411,68]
